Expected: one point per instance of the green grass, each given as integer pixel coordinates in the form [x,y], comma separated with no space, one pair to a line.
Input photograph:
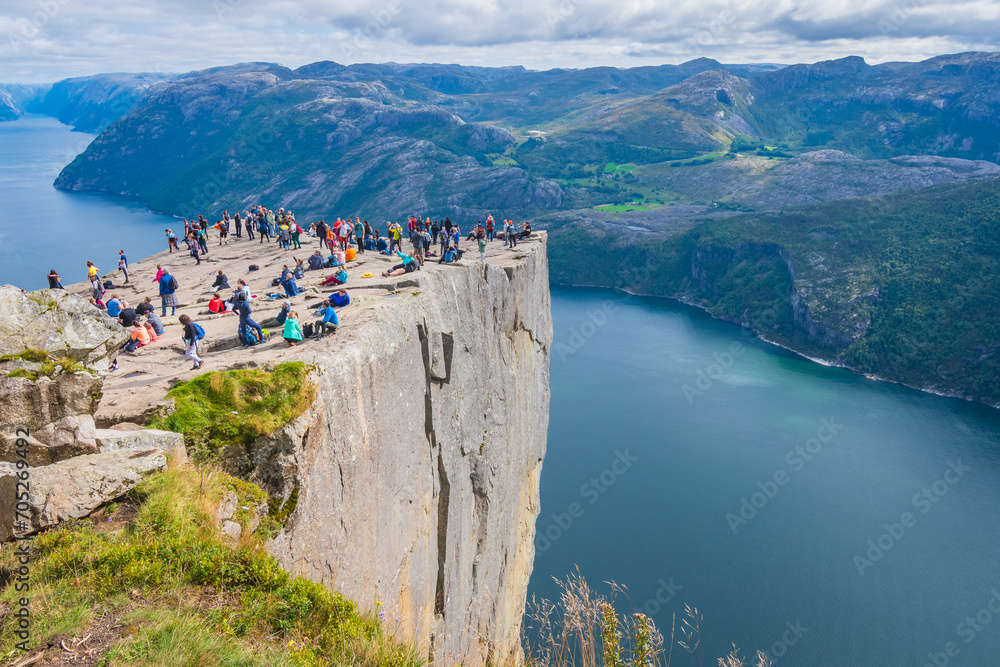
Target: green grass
[185,596]
[623,208]
[237,407]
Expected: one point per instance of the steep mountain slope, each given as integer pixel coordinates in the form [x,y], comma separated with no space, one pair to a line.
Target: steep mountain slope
[229,137]
[905,286]
[91,103]
[14,97]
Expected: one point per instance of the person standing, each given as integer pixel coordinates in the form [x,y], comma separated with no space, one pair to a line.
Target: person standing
[123,264]
[482,248]
[191,342]
[359,234]
[171,240]
[168,293]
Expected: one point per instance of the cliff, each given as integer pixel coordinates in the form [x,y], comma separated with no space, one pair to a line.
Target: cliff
[414,475]
[419,465]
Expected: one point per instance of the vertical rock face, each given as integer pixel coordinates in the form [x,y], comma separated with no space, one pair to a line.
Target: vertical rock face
[418,466]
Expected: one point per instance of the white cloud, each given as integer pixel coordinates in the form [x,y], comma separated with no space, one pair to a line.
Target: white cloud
[45,40]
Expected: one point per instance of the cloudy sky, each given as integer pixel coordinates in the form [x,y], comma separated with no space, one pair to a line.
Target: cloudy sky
[47,40]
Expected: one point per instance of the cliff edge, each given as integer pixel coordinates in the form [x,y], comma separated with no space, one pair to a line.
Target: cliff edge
[414,475]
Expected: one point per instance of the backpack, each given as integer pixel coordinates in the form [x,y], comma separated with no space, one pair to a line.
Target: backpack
[251,336]
[108,284]
[199,332]
[307,330]
[172,285]
[275,282]
[254,267]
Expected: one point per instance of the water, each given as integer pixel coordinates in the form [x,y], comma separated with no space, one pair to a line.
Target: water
[656,520]
[44,229]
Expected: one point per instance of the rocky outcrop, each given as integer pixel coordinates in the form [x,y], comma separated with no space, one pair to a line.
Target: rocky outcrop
[71,489]
[60,323]
[417,468]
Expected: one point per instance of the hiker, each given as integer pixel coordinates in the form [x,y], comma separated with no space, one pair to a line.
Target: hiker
[510,237]
[293,332]
[137,338]
[316,261]
[328,319]
[146,307]
[482,248]
[241,287]
[152,319]
[221,281]
[151,332]
[54,281]
[92,272]
[287,281]
[279,319]
[171,241]
[491,230]
[190,338]
[193,248]
[238,223]
[127,315]
[296,232]
[248,221]
[409,264]
[114,306]
[223,227]
[359,233]
[453,254]
[168,289]
[321,233]
[123,264]
[339,278]
[262,228]
[242,308]
[217,305]
[340,298]
[202,237]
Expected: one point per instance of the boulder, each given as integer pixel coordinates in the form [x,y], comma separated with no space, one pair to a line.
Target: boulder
[60,323]
[34,404]
[113,440]
[58,441]
[231,532]
[227,508]
[72,489]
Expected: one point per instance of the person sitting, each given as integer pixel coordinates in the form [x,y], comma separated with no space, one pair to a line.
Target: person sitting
[453,254]
[221,281]
[300,270]
[145,307]
[288,281]
[127,316]
[328,319]
[153,336]
[54,281]
[382,245]
[409,264]
[217,305]
[114,306]
[137,338]
[316,261]
[279,320]
[340,298]
[153,319]
[339,278]
[293,332]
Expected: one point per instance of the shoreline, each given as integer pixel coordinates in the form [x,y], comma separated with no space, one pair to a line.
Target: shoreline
[816,360]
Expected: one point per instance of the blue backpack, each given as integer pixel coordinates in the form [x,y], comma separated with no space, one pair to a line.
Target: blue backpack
[199,332]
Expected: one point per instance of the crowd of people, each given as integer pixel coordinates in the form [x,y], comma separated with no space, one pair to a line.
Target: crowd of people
[339,243]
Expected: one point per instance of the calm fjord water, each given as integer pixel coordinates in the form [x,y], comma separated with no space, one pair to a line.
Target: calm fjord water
[45,229]
[869,529]
[663,421]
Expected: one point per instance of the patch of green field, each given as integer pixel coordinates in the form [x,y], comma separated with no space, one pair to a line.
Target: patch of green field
[623,208]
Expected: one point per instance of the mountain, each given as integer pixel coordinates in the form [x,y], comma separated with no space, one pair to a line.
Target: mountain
[724,185]
[902,286]
[91,103]
[14,97]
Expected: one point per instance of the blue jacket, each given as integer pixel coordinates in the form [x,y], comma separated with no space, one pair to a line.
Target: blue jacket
[328,314]
[165,284]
